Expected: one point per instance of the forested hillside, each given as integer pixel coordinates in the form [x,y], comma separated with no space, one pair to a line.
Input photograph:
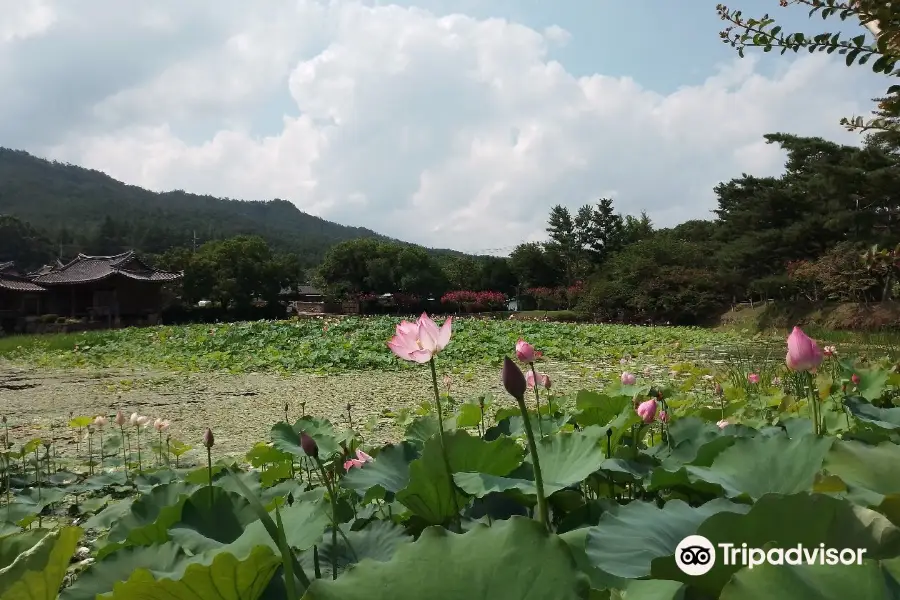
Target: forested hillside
[81,210]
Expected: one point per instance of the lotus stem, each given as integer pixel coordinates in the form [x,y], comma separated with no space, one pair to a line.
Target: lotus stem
[209,472]
[537,399]
[440,416]
[543,511]
[335,529]
[124,454]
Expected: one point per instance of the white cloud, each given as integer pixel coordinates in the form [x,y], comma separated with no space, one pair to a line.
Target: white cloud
[24,18]
[444,130]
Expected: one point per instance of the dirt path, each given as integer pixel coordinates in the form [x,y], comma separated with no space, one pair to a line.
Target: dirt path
[239,408]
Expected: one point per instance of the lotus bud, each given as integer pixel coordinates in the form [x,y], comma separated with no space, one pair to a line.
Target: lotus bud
[663,416]
[208,439]
[628,378]
[723,424]
[309,445]
[718,389]
[803,353]
[513,379]
[753,378]
[100,422]
[545,381]
[855,379]
[524,351]
[647,410]
[133,419]
[120,418]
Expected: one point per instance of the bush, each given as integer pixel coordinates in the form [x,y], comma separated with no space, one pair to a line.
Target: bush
[469,301]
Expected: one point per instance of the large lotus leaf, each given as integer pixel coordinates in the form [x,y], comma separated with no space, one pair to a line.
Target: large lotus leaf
[822,582]
[870,472]
[431,494]
[35,562]
[390,470]
[598,409]
[253,481]
[287,437]
[694,441]
[511,560]
[566,459]
[109,515]
[378,541]
[223,577]
[213,514]
[151,515]
[303,521]
[785,522]
[756,466]
[885,418]
[545,424]
[101,576]
[626,541]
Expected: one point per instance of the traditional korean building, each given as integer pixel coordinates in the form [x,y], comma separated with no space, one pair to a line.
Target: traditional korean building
[120,289]
[19,296]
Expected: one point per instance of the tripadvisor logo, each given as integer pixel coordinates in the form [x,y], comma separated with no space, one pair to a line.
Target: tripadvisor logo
[696,555]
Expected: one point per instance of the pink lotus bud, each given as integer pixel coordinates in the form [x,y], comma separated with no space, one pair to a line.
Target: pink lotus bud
[753,378]
[447,381]
[309,445]
[133,419]
[208,439]
[855,379]
[120,418]
[723,424]
[718,389]
[647,410]
[545,380]
[100,422]
[628,378]
[524,351]
[663,416]
[803,353]
[513,380]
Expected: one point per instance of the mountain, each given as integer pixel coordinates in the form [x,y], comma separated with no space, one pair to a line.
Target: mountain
[82,210]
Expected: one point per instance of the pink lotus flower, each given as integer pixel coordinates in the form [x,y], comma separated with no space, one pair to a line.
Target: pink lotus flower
[100,422]
[525,351]
[142,420]
[753,378]
[361,459]
[829,351]
[543,379]
[628,378]
[420,341]
[855,379]
[803,353]
[133,419]
[723,423]
[647,410]
[161,425]
[663,416]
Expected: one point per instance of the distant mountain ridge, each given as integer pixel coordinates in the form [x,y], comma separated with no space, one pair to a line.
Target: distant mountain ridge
[60,200]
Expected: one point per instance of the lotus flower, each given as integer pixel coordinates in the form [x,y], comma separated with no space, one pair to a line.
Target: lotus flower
[208,439]
[753,378]
[525,351]
[361,459]
[133,420]
[161,425]
[829,351]
[647,410]
[628,378]
[855,379]
[663,416]
[543,379]
[120,418]
[420,341]
[142,420]
[723,424]
[803,353]
[309,445]
[513,380]
[100,422]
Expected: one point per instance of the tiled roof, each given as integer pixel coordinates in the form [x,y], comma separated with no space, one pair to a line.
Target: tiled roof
[19,284]
[85,269]
[7,266]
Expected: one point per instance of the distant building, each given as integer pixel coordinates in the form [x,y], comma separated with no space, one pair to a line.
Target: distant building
[115,290]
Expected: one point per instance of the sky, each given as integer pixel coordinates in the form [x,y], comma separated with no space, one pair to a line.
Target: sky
[448,124]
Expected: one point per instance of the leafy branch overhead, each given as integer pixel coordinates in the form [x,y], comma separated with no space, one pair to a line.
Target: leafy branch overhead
[882,19]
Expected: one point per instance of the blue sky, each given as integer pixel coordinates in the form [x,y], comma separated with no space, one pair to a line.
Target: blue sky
[452,124]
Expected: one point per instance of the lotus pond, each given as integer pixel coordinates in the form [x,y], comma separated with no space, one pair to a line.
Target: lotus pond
[566,492]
